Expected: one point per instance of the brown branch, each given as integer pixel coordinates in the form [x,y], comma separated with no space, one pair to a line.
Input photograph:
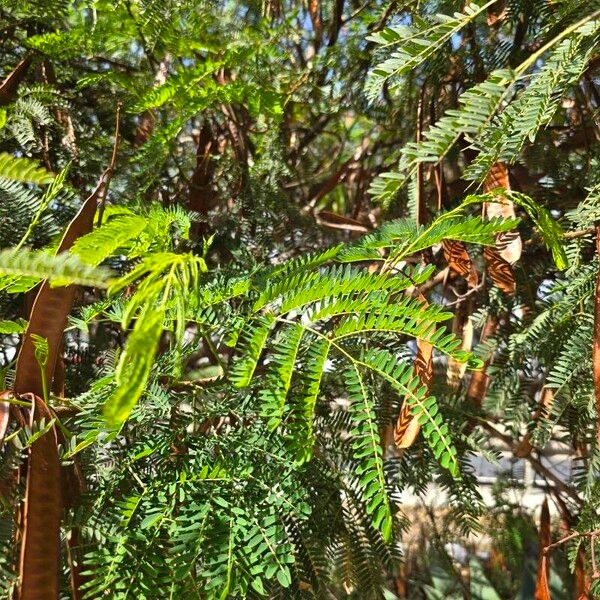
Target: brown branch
[315,17]
[535,463]
[332,181]
[336,22]
[571,235]
[201,194]
[108,173]
[571,536]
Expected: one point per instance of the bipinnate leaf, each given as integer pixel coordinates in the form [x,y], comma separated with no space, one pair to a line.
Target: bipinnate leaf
[134,366]
[59,271]
[24,170]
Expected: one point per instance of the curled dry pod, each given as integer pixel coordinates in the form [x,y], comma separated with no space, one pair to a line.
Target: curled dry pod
[459,261]
[582,584]
[462,327]
[9,86]
[542,590]
[479,379]
[41,515]
[499,270]
[508,246]
[407,426]
[52,306]
[508,243]
[41,512]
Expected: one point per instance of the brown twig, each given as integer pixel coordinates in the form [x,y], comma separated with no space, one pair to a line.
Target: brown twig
[570,235]
[461,297]
[535,463]
[564,540]
[107,175]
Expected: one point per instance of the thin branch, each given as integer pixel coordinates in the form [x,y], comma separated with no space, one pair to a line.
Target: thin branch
[535,463]
[111,167]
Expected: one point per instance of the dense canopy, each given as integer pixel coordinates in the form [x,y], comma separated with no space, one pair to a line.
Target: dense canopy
[274,274]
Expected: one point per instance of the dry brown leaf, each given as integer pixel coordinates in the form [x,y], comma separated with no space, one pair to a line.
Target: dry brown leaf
[479,379]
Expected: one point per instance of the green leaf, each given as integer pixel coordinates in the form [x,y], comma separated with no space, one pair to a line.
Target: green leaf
[23,169]
[367,450]
[284,577]
[18,326]
[135,366]
[252,345]
[549,228]
[61,269]
[150,520]
[413,45]
[114,234]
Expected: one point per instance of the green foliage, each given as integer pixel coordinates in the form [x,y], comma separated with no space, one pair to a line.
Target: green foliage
[536,106]
[411,46]
[477,107]
[7,327]
[239,351]
[27,267]
[23,169]
[117,232]
[135,365]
